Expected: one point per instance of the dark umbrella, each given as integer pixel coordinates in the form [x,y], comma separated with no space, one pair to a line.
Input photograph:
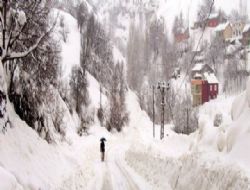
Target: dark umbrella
[102,139]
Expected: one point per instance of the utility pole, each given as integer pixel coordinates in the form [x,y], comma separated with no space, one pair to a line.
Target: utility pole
[153,111]
[187,121]
[162,87]
[162,111]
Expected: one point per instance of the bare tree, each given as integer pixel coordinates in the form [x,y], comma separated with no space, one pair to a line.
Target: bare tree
[204,10]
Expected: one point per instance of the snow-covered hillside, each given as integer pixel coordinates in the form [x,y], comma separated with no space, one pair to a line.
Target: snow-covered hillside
[116,15]
[27,161]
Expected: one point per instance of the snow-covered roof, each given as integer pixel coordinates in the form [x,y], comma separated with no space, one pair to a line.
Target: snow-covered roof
[214,15]
[197,75]
[198,67]
[222,27]
[246,28]
[211,78]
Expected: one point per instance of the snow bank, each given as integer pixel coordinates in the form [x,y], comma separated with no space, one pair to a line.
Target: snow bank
[33,162]
[239,105]
[200,158]
[248,92]
[197,161]
[8,181]
[191,171]
[28,162]
[238,135]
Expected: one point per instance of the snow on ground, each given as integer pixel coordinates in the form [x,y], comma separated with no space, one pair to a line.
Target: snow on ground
[239,132]
[29,162]
[199,161]
[211,158]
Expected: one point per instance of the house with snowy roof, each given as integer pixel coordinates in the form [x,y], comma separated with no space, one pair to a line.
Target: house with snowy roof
[204,84]
[238,27]
[246,35]
[212,21]
[225,31]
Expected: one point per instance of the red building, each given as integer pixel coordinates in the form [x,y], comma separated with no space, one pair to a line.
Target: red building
[210,87]
[205,85]
[213,20]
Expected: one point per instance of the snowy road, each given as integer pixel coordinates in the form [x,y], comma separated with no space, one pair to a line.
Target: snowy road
[115,174]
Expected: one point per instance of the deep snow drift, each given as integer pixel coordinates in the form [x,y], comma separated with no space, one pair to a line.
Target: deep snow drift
[210,158]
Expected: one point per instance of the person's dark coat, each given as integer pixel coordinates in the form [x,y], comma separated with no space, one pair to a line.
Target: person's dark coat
[102,146]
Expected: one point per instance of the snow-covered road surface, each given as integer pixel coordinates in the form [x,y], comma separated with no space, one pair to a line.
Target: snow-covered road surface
[114,173]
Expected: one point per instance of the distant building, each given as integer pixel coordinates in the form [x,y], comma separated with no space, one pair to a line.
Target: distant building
[246,36]
[237,27]
[205,85]
[225,31]
[200,69]
[181,36]
[213,21]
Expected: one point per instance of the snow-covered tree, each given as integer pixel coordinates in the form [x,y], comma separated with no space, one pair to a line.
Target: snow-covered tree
[185,116]
[96,52]
[79,92]
[82,14]
[24,30]
[118,114]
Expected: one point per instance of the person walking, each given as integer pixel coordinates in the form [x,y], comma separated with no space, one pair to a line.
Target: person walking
[102,149]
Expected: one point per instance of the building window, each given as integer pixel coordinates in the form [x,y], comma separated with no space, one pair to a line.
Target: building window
[211,87]
[215,87]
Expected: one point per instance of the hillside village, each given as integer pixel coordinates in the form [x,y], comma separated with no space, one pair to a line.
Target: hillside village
[229,34]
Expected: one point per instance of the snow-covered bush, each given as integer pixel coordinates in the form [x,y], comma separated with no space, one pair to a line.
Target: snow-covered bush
[218,119]
[100,115]
[86,119]
[185,116]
